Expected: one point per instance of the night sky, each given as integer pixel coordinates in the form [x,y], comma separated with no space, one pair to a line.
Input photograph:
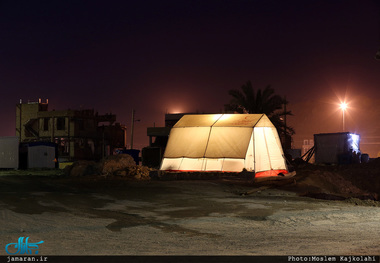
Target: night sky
[183,56]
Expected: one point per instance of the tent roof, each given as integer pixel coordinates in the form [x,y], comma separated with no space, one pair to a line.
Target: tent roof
[213,135]
[224,120]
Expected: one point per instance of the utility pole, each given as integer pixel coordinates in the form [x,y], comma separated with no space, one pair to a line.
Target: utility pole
[343,119]
[132,124]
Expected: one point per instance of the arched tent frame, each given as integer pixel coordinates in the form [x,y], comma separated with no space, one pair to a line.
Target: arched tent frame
[226,143]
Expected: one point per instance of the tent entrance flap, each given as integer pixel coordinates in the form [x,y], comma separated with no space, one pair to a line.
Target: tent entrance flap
[249,162]
[268,151]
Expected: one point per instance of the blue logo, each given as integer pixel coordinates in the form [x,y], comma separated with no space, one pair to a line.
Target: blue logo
[23,247]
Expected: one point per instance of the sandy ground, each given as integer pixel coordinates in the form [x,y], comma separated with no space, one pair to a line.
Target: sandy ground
[92,216]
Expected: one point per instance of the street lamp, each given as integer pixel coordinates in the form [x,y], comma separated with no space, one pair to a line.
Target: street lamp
[343,106]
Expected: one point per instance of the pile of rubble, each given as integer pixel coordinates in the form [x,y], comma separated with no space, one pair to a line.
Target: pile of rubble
[121,165]
[346,181]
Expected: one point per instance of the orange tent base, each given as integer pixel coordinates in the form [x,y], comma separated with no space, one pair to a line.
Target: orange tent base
[270,173]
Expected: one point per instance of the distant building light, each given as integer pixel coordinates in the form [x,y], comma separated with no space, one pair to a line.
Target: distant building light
[355,141]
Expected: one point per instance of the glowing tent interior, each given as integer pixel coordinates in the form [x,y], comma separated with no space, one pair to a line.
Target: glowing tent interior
[225,142]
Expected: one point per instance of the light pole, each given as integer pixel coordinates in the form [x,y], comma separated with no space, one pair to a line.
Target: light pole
[343,106]
[132,126]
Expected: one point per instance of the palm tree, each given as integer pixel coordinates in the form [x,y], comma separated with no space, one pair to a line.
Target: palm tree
[263,101]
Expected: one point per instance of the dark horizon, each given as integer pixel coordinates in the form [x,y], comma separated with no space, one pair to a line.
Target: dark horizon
[184,56]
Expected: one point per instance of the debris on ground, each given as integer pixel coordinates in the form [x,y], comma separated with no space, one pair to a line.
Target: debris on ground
[338,182]
[115,163]
[82,168]
[329,182]
[121,165]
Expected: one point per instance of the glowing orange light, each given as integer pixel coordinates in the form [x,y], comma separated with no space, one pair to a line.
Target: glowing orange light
[343,106]
[175,110]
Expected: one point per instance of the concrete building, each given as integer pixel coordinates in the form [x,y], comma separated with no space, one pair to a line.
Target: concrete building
[79,134]
[158,138]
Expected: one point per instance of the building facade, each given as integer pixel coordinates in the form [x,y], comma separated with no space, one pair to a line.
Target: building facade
[79,134]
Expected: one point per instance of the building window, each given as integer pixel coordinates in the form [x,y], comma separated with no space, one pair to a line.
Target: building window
[46,124]
[61,123]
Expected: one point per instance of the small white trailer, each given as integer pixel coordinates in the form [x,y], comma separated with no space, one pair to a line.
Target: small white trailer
[336,148]
[38,155]
[9,152]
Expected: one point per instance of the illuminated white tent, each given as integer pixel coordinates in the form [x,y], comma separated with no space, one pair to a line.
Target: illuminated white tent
[225,142]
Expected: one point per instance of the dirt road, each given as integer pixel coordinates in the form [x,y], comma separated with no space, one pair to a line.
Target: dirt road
[118,217]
